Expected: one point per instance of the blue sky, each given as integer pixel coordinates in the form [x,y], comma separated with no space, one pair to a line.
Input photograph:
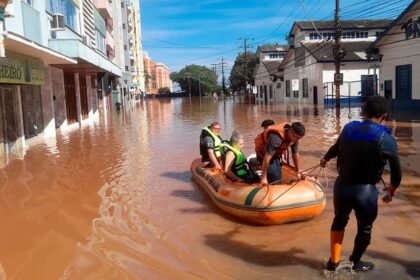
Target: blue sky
[182,32]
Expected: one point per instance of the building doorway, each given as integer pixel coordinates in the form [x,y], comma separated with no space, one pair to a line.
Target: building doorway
[33,123]
[84,105]
[315,89]
[11,130]
[70,93]
[403,82]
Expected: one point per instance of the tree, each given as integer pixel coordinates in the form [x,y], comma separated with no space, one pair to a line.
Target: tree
[237,74]
[192,78]
[164,90]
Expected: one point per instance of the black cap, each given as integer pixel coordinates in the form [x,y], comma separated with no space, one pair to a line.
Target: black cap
[267,123]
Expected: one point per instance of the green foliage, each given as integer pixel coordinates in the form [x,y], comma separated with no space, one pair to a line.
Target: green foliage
[164,90]
[237,75]
[192,77]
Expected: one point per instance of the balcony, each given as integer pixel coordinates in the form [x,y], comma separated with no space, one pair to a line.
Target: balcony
[104,8]
[31,23]
[76,49]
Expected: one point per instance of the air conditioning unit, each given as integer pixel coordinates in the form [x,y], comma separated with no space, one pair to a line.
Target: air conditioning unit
[57,22]
[87,40]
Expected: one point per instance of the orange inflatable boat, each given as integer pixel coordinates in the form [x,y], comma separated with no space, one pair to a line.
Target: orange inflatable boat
[292,200]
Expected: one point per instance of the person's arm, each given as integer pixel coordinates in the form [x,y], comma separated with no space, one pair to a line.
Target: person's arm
[390,150]
[295,156]
[332,152]
[214,160]
[264,168]
[229,161]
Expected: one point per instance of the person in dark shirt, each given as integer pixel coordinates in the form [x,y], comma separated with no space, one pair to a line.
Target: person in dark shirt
[279,138]
[362,150]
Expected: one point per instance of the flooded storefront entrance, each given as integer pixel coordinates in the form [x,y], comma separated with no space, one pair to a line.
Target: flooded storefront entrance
[115,200]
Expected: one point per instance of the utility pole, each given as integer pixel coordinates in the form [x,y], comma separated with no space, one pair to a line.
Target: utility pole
[338,53]
[223,76]
[246,62]
[214,66]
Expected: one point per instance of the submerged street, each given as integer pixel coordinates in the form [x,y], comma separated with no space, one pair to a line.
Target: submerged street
[115,200]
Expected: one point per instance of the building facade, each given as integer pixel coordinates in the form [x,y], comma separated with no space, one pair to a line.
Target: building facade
[397,52]
[61,66]
[157,75]
[308,69]
[267,73]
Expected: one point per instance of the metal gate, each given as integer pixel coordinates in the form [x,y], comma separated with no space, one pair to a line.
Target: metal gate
[70,92]
[83,97]
[31,110]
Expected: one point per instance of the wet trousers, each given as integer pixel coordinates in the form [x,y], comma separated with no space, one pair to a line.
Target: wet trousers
[274,171]
[363,199]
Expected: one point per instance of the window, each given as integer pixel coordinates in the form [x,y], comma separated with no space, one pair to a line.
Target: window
[123,25]
[126,68]
[270,90]
[305,88]
[100,41]
[66,8]
[296,94]
[125,47]
[122,4]
[29,2]
[288,88]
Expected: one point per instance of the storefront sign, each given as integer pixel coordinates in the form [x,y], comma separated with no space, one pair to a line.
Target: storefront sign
[20,69]
[412,29]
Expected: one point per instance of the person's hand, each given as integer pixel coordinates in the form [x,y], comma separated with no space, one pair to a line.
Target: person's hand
[390,193]
[264,182]
[301,176]
[219,168]
[323,162]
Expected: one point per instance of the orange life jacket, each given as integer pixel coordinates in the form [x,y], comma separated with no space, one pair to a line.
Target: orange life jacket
[261,139]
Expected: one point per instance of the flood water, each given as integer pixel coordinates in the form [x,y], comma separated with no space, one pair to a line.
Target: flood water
[115,200]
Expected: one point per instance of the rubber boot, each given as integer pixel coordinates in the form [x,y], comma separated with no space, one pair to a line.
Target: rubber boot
[361,243]
[336,241]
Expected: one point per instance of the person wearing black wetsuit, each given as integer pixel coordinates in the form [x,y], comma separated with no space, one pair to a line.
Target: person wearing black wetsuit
[362,150]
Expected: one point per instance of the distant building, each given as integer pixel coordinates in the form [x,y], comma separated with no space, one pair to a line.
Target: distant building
[267,73]
[157,75]
[308,69]
[397,51]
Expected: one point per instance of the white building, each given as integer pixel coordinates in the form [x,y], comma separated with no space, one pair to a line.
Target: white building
[267,74]
[308,69]
[398,51]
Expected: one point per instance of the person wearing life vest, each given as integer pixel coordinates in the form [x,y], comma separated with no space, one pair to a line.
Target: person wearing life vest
[277,140]
[362,150]
[236,165]
[211,146]
[260,139]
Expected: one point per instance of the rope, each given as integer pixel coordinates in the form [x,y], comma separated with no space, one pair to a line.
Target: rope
[268,205]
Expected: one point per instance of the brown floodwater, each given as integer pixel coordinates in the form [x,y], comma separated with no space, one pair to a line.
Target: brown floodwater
[115,200]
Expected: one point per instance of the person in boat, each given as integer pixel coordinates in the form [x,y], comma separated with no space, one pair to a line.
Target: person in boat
[236,165]
[362,150]
[277,139]
[211,146]
[255,162]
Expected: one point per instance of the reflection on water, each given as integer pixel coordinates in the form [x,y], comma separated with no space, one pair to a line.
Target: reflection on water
[115,200]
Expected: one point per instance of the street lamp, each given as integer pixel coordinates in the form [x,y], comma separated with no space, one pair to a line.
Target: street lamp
[3,4]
